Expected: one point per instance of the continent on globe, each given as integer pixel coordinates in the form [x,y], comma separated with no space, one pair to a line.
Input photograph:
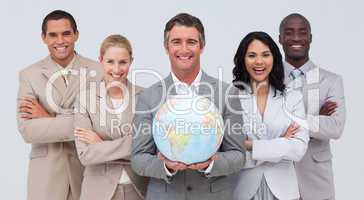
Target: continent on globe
[188,129]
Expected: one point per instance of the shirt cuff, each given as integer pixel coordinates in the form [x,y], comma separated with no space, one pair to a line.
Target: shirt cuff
[169,174]
[208,169]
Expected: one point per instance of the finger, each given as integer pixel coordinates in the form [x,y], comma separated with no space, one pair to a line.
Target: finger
[331,112]
[26,116]
[331,106]
[83,137]
[215,157]
[26,110]
[294,129]
[84,140]
[162,157]
[29,100]
[181,166]
[26,104]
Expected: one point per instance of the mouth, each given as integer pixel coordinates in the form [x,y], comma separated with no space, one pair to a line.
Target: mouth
[116,76]
[296,46]
[184,58]
[61,49]
[259,70]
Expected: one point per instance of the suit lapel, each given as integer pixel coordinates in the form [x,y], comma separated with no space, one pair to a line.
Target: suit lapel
[206,85]
[115,119]
[74,80]
[273,105]
[51,72]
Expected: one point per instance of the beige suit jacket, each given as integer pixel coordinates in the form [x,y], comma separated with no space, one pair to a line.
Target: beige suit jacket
[105,161]
[54,168]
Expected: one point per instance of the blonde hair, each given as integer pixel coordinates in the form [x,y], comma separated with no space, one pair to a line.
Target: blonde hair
[116,41]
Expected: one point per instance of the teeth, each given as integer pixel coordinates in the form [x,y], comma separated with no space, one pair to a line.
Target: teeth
[184,57]
[296,46]
[115,76]
[60,48]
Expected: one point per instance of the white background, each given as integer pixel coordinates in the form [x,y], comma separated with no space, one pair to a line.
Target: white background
[337,28]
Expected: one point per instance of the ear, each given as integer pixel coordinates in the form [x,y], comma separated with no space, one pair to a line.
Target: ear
[43,36]
[280,38]
[100,58]
[202,48]
[131,60]
[77,35]
[165,44]
[310,37]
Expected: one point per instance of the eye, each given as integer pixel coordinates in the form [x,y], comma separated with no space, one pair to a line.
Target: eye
[192,42]
[267,54]
[52,34]
[250,55]
[123,62]
[67,33]
[176,42]
[110,61]
[288,32]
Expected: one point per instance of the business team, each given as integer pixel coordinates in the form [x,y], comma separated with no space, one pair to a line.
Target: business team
[88,124]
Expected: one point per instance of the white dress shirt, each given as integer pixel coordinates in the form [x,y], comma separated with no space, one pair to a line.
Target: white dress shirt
[65,71]
[183,88]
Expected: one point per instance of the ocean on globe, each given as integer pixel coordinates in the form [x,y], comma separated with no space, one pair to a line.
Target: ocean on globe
[188,129]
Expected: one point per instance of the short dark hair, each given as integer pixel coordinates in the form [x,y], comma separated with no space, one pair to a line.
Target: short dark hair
[57,15]
[240,73]
[293,15]
[185,19]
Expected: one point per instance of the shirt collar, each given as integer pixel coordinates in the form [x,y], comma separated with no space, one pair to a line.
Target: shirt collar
[304,68]
[195,84]
[69,66]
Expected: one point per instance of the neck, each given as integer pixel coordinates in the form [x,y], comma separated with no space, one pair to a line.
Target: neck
[187,76]
[260,88]
[116,91]
[63,63]
[297,63]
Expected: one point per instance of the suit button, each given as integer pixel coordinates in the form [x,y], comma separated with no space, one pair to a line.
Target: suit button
[189,188]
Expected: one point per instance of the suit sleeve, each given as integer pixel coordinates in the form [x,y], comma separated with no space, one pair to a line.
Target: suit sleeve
[42,130]
[107,150]
[231,155]
[144,160]
[281,148]
[331,127]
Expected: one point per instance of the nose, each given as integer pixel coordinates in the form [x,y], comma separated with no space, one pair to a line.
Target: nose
[259,60]
[60,39]
[296,37]
[116,68]
[184,47]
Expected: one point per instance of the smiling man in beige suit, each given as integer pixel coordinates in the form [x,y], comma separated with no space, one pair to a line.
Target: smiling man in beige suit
[47,91]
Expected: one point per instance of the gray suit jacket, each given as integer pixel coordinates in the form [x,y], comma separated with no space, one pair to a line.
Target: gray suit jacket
[54,168]
[105,161]
[189,184]
[314,171]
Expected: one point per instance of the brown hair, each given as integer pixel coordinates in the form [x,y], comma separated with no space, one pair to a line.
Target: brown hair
[185,19]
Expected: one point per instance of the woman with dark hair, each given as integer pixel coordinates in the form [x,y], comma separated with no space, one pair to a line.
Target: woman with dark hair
[271,111]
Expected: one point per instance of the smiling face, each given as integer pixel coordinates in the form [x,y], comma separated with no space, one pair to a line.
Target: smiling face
[184,49]
[258,61]
[60,39]
[295,37]
[116,62]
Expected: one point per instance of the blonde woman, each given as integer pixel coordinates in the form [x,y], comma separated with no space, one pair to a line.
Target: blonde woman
[103,128]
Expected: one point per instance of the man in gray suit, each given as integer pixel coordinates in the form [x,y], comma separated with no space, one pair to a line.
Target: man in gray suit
[184,41]
[325,106]
[47,91]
